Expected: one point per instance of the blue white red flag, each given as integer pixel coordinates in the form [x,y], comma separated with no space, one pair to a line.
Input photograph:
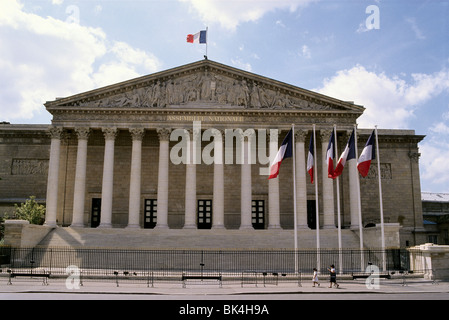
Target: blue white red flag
[348,154]
[285,151]
[310,159]
[200,37]
[330,156]
[368,154]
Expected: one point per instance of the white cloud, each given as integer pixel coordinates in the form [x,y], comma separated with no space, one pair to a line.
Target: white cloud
[238,63]
[389,101]
[305,52]
[434,166]
[418,33]
[229,14]
[43,58]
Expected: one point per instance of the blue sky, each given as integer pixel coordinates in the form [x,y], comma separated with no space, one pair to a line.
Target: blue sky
[391,56]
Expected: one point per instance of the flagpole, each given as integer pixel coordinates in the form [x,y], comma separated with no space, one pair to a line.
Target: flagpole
[294,199]
[359,205]
[317,212]
[207,40]
[381,203]
[340,258]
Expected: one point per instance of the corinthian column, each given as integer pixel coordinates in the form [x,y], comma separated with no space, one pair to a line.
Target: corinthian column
[135,179]
[246,187]
[218,198]
[79,196]
[53,177]
[108,178]
[301,187]
[190,202]
[274,216]
[353,190]
[328,187]
[162,186]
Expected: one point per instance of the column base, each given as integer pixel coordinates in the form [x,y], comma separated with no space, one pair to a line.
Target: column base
[51,224]
[220,226]
[77,225]
[274,227]
[133,226]
[161,226]
[105,226]
[329,227]
[246,228]
[190,226]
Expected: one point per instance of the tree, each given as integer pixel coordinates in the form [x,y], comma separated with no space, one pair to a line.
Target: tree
[30,211]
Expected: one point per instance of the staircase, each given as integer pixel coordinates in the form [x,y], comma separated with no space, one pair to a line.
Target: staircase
[195,239]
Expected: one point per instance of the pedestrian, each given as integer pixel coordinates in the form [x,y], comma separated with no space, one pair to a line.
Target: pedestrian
[315,277]
[333,279]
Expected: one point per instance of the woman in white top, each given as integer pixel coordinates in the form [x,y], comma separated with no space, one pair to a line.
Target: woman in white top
[315,277]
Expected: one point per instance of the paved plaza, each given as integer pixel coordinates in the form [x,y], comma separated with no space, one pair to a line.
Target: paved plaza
[209,290]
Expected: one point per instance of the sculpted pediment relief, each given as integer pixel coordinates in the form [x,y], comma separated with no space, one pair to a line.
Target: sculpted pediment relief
[206,87]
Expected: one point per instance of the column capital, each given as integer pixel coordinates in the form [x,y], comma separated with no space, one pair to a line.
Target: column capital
[163,134]
[137,133]
[83,133]
[414,156]
[325,134]
[300,135]
[55,132]
[110,133]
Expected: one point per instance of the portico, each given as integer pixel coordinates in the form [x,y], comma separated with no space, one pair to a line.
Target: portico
[225,163]
[118,160]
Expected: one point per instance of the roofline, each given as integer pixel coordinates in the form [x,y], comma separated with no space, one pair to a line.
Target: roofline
[195,65]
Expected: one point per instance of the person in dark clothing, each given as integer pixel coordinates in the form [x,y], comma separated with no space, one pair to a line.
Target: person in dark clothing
[333,277]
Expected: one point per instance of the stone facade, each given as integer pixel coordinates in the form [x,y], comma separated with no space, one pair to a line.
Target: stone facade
[115,144]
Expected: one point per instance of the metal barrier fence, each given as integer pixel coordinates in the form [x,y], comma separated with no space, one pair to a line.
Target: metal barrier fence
[104,262]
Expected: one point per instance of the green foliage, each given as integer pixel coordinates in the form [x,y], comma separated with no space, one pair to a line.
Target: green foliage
[30,211]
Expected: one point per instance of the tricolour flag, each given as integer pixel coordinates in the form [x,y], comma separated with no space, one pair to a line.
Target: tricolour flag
[348,154]
[200,37]
[368,154]
[285,151]
[330,156]
[310,159]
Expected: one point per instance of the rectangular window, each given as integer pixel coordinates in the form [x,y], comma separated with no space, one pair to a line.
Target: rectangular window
[150,214]
[258,214]
[204,214]
[96,213]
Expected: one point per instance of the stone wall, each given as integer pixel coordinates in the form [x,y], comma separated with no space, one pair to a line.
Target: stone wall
[22,234]
[432,259]
[24,158]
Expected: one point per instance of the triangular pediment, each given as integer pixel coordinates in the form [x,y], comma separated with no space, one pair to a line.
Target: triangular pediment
[204,84]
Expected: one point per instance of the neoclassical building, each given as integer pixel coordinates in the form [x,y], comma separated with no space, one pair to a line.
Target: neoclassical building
[188,149]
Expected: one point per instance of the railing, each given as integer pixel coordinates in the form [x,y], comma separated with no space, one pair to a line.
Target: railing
[150,265]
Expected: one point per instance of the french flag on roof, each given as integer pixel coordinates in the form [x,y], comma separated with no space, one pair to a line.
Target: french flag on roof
[348,154]
[310,159]
[285,151]
[368,154]
[200,37]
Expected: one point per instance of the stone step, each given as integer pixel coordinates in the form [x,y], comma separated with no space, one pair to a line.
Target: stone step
[196,239]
